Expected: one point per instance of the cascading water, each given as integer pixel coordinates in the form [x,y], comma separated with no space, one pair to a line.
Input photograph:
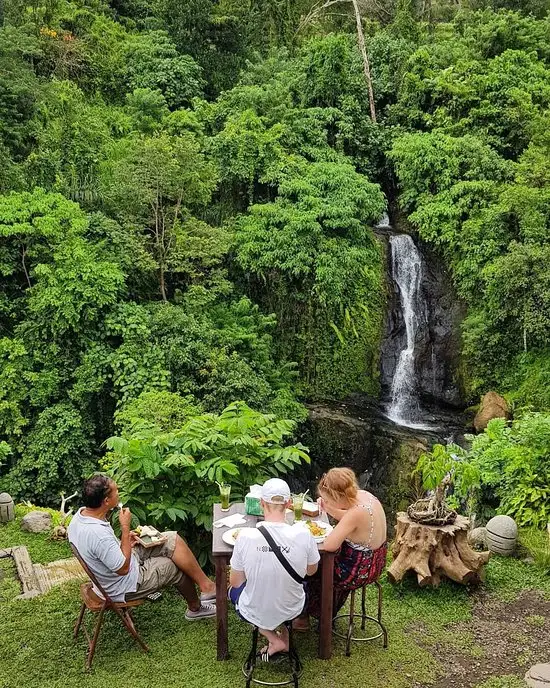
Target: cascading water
[406,266]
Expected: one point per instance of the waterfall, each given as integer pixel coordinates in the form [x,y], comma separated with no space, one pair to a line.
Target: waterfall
[406,267]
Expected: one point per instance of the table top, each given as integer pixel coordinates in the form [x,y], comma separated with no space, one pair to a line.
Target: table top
[219,547]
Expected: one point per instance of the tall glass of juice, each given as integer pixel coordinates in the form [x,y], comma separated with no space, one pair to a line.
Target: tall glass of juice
[225,491]
[297,505]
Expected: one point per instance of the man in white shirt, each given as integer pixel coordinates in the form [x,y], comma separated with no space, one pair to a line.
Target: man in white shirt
[125,569]
[263,591]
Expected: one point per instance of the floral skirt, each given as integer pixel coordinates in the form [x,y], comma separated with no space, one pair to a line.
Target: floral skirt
[353,568]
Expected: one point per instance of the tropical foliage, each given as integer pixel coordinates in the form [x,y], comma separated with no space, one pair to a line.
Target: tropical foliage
[506,468]
[170,477]
[187,195]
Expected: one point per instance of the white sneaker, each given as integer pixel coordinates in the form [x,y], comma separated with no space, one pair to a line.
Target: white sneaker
[205,611]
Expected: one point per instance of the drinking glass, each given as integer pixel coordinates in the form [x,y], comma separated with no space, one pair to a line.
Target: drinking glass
[297,505]
[225,490]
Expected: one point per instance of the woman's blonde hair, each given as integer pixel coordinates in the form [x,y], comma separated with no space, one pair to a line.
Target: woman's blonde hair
[337,484]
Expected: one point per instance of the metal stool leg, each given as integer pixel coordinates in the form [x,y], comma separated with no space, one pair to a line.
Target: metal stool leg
[384,631]
[250,663]
[295,663]
[364,607]
[350,626]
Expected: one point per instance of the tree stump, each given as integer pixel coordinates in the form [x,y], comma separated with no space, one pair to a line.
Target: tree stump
[435,551]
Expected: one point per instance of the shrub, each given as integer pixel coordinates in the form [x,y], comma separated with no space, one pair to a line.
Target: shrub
[513,464]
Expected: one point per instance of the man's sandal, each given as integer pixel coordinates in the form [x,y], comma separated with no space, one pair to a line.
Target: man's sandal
[264,656]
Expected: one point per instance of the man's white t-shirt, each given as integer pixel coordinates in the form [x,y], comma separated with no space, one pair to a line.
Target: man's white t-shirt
[271,596]
[98,545]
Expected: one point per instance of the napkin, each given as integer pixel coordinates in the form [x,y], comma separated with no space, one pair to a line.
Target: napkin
[230,521]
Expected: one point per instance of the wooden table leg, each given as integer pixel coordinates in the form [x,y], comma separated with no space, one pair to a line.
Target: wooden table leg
[325,619]
[221,563]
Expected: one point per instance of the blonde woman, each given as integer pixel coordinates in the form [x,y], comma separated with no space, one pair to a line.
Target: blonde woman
[359,537]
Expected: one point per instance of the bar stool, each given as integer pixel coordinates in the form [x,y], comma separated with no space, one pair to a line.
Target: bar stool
[364,618]
[296,667]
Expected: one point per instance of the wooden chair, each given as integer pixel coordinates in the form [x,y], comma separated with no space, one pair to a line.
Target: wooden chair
[93,603]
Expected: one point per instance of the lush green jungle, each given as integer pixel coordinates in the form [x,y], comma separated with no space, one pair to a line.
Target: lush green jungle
[188,189]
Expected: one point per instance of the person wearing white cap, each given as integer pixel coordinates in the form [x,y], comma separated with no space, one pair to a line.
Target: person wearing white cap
[263,590]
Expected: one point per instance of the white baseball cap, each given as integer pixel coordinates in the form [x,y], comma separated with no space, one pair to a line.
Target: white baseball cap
[275,491]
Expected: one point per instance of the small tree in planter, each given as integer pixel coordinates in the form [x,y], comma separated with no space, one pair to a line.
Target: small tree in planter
[431,539]
[442,468]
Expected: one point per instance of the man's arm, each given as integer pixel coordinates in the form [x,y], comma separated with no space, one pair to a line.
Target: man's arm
[237,575]
[125,518]
[313,557]
[236,578]
[311,569]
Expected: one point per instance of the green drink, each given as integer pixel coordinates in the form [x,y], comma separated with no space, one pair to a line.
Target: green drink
[225,490]
[297,504]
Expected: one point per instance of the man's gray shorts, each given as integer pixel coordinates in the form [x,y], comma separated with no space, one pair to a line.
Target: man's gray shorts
[156,568]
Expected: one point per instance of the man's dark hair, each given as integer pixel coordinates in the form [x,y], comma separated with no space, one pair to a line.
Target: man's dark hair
[95,489]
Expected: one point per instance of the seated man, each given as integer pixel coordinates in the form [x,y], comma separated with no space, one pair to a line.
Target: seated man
[127,570]
[264,593]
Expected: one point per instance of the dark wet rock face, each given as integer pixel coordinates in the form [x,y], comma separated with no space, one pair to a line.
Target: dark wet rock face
[355,433]
[437,341]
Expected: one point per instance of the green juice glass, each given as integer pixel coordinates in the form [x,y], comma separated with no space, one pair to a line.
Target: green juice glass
[297,505]
[225,491]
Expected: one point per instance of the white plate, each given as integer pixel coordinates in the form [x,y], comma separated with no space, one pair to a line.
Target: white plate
[327,528]
[228,535]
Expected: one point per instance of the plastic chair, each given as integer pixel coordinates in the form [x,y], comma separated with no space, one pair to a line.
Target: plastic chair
[296,667]
[94,604]
[351,616]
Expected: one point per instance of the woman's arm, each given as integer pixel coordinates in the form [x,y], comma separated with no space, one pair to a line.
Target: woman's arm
[345,527]
[337,514]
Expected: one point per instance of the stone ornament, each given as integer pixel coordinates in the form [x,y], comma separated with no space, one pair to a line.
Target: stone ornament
[7,508]
[538,676]
[478,536]
[36,522]
[502,535]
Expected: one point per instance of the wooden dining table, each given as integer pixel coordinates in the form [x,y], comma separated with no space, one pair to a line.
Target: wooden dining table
[221,553]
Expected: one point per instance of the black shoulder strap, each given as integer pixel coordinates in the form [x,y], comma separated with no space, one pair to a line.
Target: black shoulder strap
[280,556]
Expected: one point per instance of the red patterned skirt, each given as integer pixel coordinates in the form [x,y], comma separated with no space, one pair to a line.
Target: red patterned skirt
[353,568]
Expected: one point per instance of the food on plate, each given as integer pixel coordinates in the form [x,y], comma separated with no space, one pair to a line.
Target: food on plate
[315,529]
[235,533]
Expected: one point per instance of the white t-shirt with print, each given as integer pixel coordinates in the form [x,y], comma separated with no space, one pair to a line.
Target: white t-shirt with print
[271,596]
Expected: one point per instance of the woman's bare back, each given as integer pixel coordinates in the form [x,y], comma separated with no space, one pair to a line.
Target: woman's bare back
[370,518]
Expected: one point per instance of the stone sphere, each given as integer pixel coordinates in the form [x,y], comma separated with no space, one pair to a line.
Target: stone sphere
[502,535]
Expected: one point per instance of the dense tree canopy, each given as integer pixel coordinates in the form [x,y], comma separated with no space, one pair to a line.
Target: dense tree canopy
[187,195]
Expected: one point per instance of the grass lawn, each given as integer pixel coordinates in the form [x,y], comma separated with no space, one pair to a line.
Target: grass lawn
[37,651]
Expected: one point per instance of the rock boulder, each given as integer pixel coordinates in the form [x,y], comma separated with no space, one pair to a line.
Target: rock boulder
[36,522]
[492,406]
[538,676]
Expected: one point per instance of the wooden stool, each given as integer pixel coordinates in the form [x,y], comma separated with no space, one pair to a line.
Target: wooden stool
[364,618]
[295,663]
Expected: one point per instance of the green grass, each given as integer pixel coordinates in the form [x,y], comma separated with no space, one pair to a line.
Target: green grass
[37,650]
[503,682]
